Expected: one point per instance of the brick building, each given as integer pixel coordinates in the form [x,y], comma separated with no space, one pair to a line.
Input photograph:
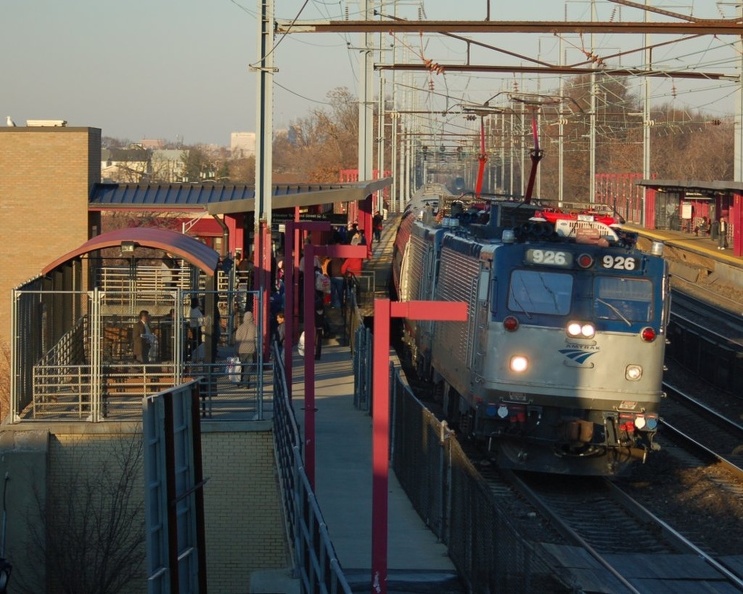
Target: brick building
[46,174]
[46,178]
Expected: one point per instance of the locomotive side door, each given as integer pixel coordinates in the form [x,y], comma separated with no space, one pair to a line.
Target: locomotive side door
[479,323]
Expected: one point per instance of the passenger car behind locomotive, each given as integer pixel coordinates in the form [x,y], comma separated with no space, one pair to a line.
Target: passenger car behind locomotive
[559,366]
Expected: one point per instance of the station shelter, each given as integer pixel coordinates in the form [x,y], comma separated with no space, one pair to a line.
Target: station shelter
[81,313]
[710,208]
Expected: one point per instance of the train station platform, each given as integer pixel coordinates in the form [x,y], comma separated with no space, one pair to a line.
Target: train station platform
[698,266]
[416,560]
[702,243]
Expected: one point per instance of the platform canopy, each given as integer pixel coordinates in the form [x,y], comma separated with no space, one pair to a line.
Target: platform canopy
[219,198]
[706,188]
[176,244]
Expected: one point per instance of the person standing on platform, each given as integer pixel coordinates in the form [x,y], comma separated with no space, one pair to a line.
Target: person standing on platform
[377,225]
[723,234]
[246,343]
[195,320]
[279,333]
[353,233]
[336,282]
[143,338]
[353,265]
[351,271]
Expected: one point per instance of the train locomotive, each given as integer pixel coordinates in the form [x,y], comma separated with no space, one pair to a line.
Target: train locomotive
[558,368]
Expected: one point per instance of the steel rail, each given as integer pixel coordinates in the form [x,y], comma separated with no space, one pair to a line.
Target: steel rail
[565,529]
[729,425]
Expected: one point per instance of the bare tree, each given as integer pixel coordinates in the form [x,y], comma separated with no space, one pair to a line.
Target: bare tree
[318,146]
[242,170]
[92,535]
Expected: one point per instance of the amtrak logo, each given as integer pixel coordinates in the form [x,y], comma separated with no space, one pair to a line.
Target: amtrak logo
[577,355]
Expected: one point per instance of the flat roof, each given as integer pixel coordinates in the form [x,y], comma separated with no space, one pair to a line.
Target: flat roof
[219,198]
[685,185]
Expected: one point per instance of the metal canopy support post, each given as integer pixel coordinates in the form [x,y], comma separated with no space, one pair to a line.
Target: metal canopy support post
[738,146]
[291,289]
[333,251]
[384,310]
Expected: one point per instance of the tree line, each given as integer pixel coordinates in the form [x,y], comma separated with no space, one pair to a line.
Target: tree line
[684,143]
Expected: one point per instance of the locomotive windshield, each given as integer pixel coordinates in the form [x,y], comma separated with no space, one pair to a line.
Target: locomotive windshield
[540,292]
[625,299]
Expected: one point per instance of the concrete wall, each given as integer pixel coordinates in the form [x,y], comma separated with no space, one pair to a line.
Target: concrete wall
[46,175]
[245,529]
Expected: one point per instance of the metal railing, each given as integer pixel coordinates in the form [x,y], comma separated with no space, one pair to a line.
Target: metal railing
[450,494]
[458,505]
[315,561]
[363,368]
[90,373]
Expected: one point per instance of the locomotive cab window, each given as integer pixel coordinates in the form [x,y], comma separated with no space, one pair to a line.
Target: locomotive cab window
[624,299]
[540,292]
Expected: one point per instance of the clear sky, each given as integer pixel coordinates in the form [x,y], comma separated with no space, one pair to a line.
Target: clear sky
[179,70]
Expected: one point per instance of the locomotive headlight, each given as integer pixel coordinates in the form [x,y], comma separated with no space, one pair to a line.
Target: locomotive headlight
[580,330]
[633,373]
[519,363]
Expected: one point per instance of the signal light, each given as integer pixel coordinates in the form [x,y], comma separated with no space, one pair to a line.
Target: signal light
[511,324]
[648,334]
[585,260]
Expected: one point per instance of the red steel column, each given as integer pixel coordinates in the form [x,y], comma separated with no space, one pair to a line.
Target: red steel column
[347,251]
[384,310]
[291,289]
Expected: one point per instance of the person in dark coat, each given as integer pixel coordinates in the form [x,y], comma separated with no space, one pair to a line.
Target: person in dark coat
[377,225]
[143,338]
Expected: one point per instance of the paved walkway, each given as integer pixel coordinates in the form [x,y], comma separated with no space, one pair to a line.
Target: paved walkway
[343,485]
[416,561]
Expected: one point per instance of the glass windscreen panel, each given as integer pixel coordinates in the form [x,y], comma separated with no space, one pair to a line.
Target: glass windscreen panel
[535,292]
[625,299]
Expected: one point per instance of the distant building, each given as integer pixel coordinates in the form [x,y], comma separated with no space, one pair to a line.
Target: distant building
[127,165]
[242,145]
[168,165]
[152,143]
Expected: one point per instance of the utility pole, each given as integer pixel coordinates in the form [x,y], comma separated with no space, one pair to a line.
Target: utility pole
[646,123]
[366,105]
[263,154]
[738,148]
[592,130]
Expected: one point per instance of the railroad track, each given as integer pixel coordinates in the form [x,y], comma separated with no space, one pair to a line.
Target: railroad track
[699,427]
[707,295]
[708,319]
[604,518]
[613,528]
